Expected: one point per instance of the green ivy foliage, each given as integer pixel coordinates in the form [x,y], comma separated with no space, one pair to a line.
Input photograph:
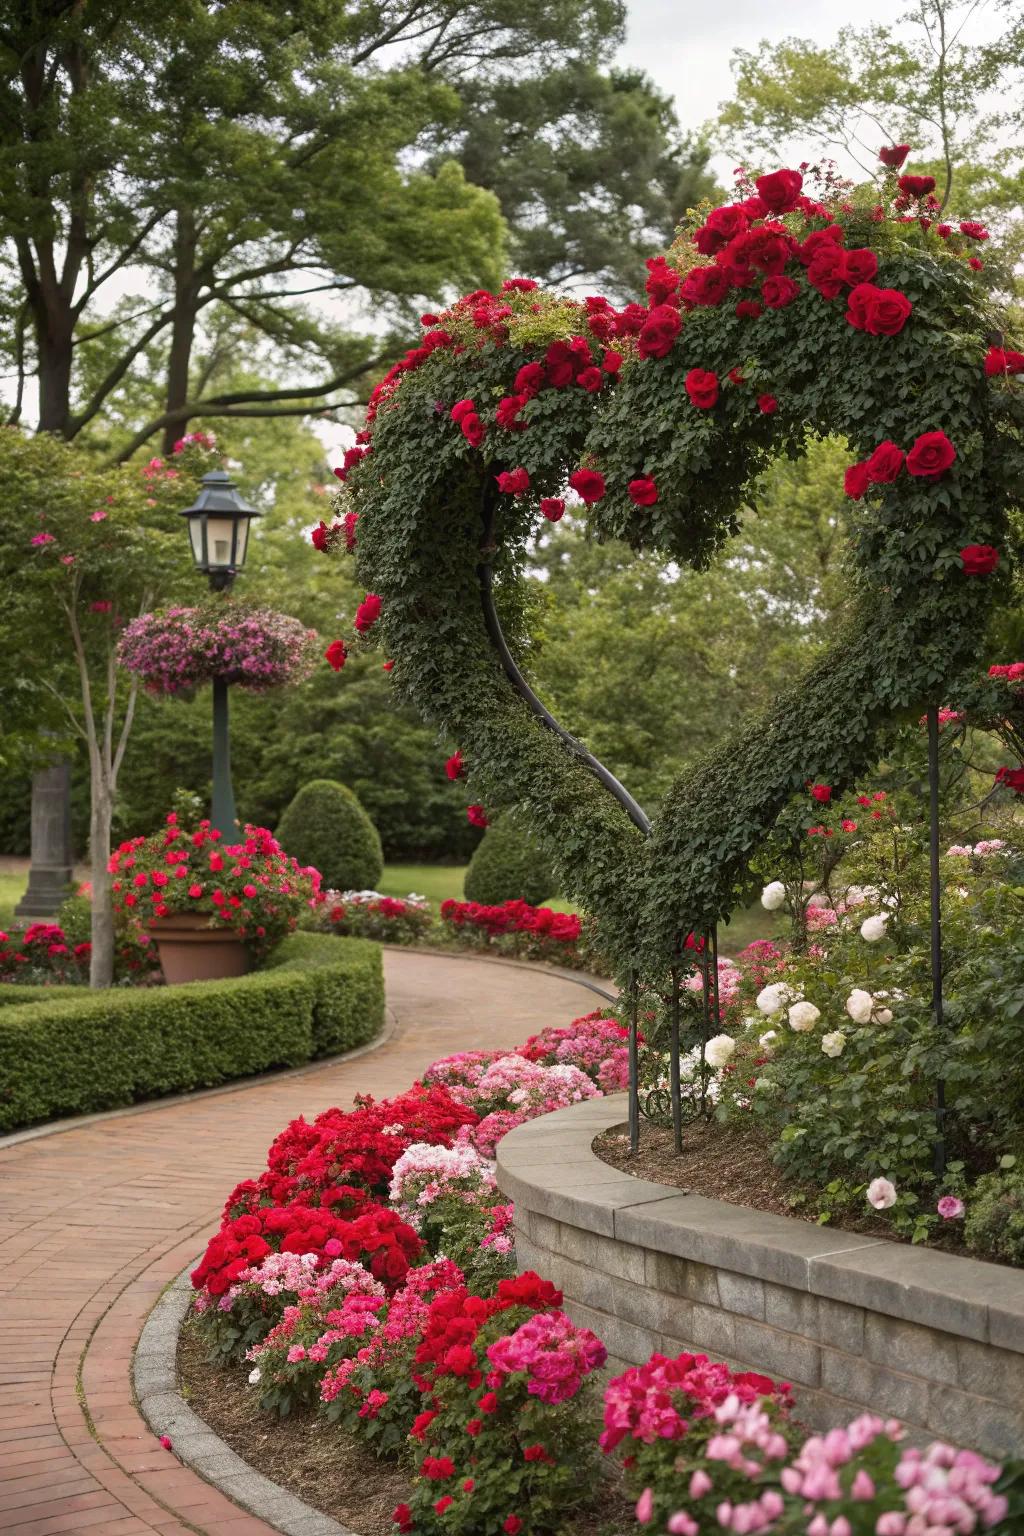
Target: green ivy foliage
[429,517]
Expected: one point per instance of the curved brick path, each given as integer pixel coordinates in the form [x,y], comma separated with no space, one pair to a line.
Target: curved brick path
[96,1220]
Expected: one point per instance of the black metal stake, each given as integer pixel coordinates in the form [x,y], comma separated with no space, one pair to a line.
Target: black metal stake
[936,917]
[714,962]
[677,1104]
[634,1064]
[705,976]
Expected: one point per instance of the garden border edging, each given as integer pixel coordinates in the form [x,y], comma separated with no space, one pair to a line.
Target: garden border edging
[856,1323]
[196,1445]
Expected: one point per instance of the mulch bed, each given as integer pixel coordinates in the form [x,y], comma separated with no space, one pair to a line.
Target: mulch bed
[325,1466]
[728,1162]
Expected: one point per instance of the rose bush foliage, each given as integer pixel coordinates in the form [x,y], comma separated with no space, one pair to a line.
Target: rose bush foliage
[863,318]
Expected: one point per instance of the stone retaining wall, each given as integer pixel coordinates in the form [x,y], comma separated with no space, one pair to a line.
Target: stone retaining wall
[853,1322]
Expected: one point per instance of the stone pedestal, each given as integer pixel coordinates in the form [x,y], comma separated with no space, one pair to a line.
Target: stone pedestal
[49,880]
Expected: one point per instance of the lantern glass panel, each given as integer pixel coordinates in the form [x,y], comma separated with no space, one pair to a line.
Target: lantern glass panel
[242,542]
[195,533]
[220,538]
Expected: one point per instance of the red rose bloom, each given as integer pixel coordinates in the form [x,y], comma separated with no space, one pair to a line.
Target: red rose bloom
[705,286]
[859,266]
[477,816]
[998,360]
[461,409]
[512,1526]
[552,507]
[473,429]
[767,404]
[777,292]
[612,361]
[336,654]
[513,482]
[979,559]
[916,186]
[885,463]
[643,492]
[856,481]
[894,155]
[748,309]
[454,767]
[822,793]
[367,613]
[588,484]
[973,230]
[443,1503]
[702,388]
[779,190]
[591,379]
[931,455]
[530,379]
[388,666]
[879,311]
[1013,778]
[659,331]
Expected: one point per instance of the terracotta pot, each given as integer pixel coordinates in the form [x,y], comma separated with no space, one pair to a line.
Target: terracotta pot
[190,950]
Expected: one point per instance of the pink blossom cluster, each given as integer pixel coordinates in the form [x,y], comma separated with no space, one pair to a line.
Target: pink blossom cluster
[461,1073]
[425,1173]
[657,1400]
[500,1237]
[491,1129]
[554,1353]
[272,1276]
[983,850]
[403,1320]
[518,1084]
[594,1044]
[729,979]
[179,649]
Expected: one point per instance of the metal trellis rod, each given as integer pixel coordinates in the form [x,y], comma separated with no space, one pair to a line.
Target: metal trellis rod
[634,1063]
[936,927]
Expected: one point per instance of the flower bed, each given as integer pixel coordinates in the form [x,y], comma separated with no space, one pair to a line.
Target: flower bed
[67,1051]
[366,1273]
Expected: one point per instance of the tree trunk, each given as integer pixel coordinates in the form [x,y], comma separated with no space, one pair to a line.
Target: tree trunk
[101,965]
[53,339]
[186,287]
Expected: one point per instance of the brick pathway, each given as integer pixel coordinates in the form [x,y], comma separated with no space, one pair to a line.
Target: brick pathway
[96,1220]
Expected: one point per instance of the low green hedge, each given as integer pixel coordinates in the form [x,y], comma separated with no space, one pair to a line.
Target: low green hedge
[69,1051]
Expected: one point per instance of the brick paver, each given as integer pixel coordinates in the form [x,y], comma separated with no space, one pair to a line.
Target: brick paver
[95,1220]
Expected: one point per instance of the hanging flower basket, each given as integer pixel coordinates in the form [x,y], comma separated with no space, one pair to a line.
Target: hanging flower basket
[176,650]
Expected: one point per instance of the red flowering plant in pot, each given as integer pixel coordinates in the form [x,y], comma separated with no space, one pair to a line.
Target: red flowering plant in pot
[223,904]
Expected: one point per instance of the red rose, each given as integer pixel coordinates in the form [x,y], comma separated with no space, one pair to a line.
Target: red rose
[879,311]
[748,309]
[560,365]
[735,376]
[1013,778]
[488,1403]
[859,266]
[552,507]
[454,768]
[530,379]
[856,481]
[588,484]
[443,1503]
[767,404]
[513,482]
[367,613]
[591,379]
[512,1526]
[507,414]
[643,492]
[975,265]
[705,286]
[659,331]
[722,225]
[894,155]
[979,559]
[931,455]
[916,186]
[885,463]
[998,360]
[336,654]
[857,301]
[402,1516]
[472,429]
[195,891]
[388,666]
[702,388]
[780,190]
[822,793]
[612,361]
[779,291]
[461,409]
[477,816]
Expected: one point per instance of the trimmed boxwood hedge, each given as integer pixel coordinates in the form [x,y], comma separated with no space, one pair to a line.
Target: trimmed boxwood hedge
[70,1051]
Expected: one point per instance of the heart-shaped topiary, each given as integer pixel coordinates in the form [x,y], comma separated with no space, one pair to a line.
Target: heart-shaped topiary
[775,317]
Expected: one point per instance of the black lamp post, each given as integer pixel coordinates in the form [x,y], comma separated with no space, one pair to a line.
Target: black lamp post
[218,530]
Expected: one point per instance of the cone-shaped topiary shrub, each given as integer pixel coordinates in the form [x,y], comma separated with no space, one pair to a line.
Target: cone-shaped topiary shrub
[508,865]
[325,825]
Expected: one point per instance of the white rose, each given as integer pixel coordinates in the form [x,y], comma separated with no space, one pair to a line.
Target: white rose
[773,998]
[767,1040]
[719,1050]
[803,1016]
[860,1006]
[254,1375]
[873,928]
[750,1021]
[881,1194]
[773,896]
[833,1044]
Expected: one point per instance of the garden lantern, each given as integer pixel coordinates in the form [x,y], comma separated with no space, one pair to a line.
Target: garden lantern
[218,529]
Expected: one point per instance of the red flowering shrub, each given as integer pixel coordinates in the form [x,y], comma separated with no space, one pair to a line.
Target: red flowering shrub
[251,886]
[43,955]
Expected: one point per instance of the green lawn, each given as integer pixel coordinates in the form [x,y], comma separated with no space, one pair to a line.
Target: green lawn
[12,888]
[437,882]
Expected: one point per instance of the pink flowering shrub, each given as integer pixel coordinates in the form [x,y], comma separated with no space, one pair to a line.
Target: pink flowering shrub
[324,1326]
[43,955]
[461,1073]
[427,1179]
[593,1043]
[178,649]
[552,1353]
